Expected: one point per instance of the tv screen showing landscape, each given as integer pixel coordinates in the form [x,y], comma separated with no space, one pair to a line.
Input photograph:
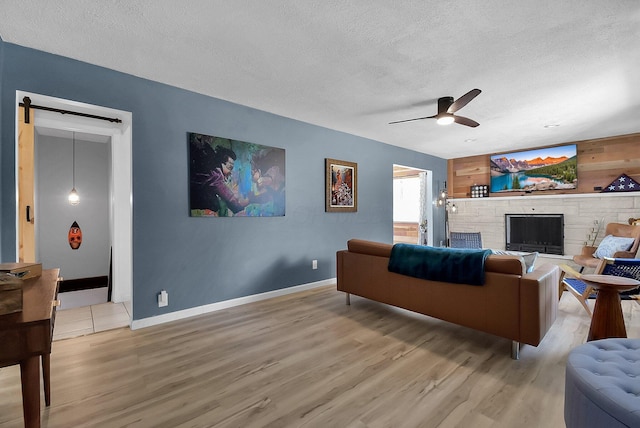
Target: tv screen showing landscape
[551,168]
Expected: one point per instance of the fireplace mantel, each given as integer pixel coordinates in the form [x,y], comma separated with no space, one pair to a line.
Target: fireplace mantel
[536,196]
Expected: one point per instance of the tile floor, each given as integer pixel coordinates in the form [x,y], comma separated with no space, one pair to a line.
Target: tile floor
[91,319]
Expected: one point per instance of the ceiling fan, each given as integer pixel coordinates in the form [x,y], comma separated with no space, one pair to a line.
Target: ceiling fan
[446,109]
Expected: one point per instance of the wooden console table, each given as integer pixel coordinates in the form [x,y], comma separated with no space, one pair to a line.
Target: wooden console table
[607,320]
[26,336]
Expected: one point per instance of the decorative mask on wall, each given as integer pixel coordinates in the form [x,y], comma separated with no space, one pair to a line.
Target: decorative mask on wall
[75,236]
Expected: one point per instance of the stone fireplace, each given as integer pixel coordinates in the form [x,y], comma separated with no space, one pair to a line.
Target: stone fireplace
[582,213]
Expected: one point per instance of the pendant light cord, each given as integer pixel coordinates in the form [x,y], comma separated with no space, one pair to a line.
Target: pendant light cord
[74,160]
[74,199]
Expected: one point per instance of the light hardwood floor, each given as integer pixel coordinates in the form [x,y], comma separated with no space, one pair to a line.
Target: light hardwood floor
[307,360]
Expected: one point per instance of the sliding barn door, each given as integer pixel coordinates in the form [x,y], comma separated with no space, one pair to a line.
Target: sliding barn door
[26,156]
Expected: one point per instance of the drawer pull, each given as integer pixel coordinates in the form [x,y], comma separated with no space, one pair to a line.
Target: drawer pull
[56,303]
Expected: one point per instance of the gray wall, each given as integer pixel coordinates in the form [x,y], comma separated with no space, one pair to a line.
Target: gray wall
[206,260]
[54,177]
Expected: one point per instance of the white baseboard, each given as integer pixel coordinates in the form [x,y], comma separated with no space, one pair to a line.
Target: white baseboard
[199,310]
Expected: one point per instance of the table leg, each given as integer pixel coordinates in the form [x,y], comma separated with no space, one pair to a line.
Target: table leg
[607,320]
[46,376]
[30,376]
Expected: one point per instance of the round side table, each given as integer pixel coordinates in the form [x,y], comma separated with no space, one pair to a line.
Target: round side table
[607,320]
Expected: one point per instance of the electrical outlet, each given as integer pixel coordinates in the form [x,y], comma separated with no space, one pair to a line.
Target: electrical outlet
[163,299]
[314,264]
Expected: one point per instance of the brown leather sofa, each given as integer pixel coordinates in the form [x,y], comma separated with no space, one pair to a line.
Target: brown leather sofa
[512,304]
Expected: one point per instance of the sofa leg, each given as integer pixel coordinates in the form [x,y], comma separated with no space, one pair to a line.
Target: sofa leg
[348,299]
[515,350]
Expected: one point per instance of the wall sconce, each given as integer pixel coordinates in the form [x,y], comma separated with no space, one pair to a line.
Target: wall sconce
[74,198]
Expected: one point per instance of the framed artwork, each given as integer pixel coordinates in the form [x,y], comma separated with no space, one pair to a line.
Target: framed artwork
[230,178]
[341,186]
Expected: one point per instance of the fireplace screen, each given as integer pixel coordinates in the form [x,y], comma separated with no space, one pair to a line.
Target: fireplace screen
[543,233]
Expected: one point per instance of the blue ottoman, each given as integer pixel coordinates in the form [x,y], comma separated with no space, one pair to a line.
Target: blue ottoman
[602,384]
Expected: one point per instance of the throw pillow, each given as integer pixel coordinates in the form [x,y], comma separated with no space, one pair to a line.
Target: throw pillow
[529,258]
[612,244]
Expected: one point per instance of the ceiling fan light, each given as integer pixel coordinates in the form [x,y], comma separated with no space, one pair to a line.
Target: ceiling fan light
[445,120]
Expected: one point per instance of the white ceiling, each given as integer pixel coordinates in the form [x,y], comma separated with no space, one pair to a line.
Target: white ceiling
[356,65]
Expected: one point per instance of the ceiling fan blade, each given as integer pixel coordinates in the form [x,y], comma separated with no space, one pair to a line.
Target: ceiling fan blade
[465,121]
[463,100]
[409,120]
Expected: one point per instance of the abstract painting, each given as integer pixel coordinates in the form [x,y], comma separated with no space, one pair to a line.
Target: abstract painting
[230,178]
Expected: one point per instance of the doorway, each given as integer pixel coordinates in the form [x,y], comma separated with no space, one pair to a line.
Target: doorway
[74,237]
[119,174]
[412,202]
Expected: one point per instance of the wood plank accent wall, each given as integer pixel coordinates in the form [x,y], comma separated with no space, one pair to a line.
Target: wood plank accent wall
[600,161]
[407,233]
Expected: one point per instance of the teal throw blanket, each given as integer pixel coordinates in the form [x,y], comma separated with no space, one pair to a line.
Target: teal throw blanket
[458,265]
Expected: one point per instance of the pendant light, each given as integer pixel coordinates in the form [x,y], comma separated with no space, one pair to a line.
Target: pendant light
[74,198]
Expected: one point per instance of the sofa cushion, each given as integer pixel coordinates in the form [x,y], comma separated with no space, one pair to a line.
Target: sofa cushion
[529,258]
[612,244]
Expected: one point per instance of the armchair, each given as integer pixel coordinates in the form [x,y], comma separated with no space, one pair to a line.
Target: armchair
[586,257]
[466,240]
[572,282]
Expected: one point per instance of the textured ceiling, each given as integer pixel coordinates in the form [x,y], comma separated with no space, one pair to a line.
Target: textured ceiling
[355,66]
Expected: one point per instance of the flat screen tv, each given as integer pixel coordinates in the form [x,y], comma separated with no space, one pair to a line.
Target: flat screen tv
[551,168]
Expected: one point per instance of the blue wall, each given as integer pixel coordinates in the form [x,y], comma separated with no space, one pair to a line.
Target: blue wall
[206,260]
